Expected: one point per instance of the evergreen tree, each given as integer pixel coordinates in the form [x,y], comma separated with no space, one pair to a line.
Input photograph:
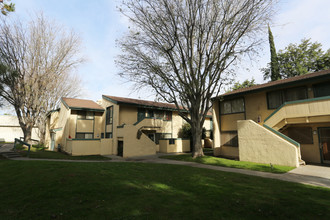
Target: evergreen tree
[274,67]
[300,59]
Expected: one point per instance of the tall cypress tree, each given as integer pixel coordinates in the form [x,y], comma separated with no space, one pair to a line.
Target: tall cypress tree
[274,66]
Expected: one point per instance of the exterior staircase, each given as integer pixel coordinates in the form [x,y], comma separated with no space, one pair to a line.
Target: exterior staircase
[315,110]
[10,154]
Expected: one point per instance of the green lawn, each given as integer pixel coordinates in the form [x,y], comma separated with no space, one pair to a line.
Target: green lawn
[211,160]
[44,154]
[62,190]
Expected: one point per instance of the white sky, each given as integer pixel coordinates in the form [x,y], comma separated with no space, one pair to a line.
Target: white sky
[99,24]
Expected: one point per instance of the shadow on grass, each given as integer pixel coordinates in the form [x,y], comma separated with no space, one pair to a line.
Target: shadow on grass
[136,190]
[44,154]
[216,161]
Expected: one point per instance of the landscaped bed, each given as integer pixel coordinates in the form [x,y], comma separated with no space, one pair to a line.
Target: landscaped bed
[44,154]
[62,190]
[216,161]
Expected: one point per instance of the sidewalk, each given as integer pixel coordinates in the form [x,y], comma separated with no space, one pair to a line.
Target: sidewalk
[309,174]
[6,147]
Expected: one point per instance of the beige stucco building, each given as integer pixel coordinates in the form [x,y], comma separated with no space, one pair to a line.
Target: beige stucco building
[283,122]
[116,126]
[10,129]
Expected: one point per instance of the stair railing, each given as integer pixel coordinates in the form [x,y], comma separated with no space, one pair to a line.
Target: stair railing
[23,143]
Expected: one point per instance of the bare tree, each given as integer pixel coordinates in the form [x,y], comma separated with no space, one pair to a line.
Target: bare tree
[36,61]
[183,49]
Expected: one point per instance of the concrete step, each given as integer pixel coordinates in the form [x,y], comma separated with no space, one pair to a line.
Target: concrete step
[10,154]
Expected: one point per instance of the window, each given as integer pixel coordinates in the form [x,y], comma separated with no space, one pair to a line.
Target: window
[322,89]
[141,114]
[293,94]
[86,115]
[168,116]
[102,135]
[149,113]
[232,106]
[109,115]
[276,98]
[303,135]
[108,135]
[171,141]
[84,135]
[159,114]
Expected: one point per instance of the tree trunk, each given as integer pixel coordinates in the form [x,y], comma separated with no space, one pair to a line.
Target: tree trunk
[27,131]
[196,132]
[42,136]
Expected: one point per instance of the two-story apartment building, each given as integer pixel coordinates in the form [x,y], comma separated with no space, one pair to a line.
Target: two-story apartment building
[281,122]
[117,125]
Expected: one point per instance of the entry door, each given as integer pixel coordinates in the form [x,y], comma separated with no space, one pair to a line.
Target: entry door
[120,148]
[324,134]
[52,143]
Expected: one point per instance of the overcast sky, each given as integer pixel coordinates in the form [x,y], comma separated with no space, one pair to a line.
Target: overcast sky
[99,24]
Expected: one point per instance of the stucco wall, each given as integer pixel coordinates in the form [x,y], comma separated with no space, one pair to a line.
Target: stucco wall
[207,123]
[256,105]
[68,147]
[127,114]
[10,129]
[226,151]
[134,147]
[98,124]
[85,147]
[228,121]
[216,124]
[179,146]
[106,147]
[257,144]
[116,108]
[85,126]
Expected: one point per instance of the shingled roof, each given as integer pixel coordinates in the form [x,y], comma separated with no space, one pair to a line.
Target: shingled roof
[81,104]
[139,102]
[310,77]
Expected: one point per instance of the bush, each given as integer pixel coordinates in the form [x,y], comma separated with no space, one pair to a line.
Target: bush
[185,132]
[39,146]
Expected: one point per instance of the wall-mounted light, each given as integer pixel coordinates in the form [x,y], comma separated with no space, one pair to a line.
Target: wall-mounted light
[315,132]
[259,118]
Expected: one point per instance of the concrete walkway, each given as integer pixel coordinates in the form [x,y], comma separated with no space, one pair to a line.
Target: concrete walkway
[309,174]
[6,147]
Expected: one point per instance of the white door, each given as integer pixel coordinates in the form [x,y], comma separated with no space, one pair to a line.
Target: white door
[52,143]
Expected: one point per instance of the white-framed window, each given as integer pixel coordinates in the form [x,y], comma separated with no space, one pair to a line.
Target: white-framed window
[84,135]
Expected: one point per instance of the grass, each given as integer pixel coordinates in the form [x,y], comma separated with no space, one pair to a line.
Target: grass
[62,190]
[44,154]
[216,161]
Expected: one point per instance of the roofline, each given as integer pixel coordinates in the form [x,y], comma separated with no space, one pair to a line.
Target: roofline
[64,103]
[51,111]
[277,86]
[81,108]
[140,105]
[87,109]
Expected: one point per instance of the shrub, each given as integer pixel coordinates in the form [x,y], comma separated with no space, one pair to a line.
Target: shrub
[185,131]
